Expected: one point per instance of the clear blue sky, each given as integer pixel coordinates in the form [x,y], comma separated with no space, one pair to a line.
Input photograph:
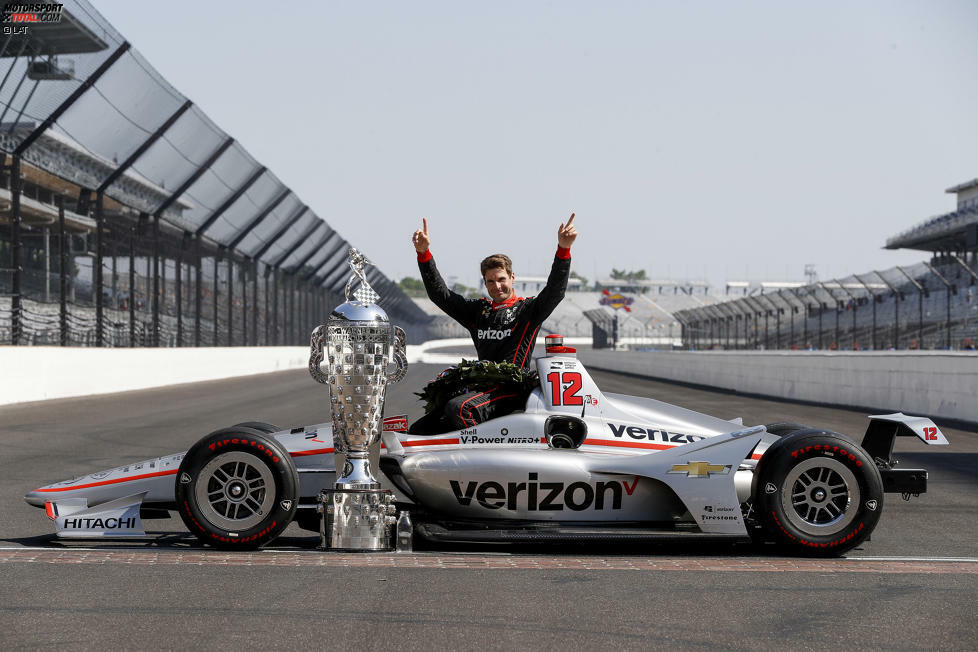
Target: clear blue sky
[731,140]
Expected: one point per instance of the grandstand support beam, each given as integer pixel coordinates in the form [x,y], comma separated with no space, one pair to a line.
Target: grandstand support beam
[767,314]
[971,272]
[179,289]
[855,305]
[897,298]
[315,249]
[156,280]
[754,309]
[302,239]
[254,302]
[244,301]
[97,280]
[948,288]
[872,296]
[229,202]
[198,290]
[71,99]
[146,144]
[217,261]
[835,301]
[920,307]
[230,266]
[319,280]
[62,272]
[192,179]
[258,219]
[334,280]
[16,301]
[296,214]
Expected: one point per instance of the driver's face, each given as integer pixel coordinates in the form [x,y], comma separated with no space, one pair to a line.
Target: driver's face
[499,284]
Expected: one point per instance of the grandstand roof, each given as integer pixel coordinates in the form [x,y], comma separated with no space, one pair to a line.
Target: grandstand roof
[937,233]
[967,185]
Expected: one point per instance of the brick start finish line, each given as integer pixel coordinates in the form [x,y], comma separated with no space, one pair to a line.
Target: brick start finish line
[482,561]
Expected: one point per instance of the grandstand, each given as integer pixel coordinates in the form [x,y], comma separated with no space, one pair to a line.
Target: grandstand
[930,305]
[128,218]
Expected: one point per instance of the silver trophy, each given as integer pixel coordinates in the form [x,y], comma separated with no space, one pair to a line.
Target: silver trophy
[363,352]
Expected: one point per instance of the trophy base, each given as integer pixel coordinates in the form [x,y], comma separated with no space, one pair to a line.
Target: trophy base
[357,520]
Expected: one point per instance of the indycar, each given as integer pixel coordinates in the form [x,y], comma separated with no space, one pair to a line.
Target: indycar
[575,464]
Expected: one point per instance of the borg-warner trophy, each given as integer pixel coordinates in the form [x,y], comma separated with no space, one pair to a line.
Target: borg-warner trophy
[360,346]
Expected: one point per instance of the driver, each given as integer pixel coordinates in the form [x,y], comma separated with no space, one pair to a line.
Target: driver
[503,328]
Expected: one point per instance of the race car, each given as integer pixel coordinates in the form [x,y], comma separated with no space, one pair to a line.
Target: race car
[575,464]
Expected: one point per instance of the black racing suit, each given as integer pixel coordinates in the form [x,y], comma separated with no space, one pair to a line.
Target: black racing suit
[502,332]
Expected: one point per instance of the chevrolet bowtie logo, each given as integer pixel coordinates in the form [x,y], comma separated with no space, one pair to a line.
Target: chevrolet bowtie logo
[700,469]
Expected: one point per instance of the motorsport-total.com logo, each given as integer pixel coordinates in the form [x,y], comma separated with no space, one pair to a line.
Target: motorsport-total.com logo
[17,16]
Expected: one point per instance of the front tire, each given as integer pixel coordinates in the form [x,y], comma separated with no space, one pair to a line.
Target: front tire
[237,488]
[817,493]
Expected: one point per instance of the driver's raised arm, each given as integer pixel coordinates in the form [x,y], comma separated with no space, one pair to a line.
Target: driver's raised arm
[455,305]
[553,292]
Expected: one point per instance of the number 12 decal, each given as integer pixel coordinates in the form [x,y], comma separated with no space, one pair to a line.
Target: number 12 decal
[930,434]
[570,394]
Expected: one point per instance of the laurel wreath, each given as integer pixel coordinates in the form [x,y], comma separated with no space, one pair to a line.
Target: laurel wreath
[471,375]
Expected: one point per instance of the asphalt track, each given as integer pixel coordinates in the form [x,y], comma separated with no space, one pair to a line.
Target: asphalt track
[913,586]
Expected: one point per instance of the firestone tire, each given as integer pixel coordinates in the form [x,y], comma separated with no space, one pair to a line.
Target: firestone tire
[237,488]
[267,428]
[817,493]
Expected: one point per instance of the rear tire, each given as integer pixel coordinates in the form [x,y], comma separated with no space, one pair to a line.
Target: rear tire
[267,428]
[237,488]
[817,493]
[783,428]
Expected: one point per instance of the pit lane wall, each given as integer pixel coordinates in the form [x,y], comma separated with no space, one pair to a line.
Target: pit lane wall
[38,373]
[941,384]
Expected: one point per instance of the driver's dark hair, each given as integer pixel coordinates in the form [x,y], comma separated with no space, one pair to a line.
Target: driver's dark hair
[494,261]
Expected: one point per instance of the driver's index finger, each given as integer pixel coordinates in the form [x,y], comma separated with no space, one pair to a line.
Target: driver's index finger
[424,220]
[571,220]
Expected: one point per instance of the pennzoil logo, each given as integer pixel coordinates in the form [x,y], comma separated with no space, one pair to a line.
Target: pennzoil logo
[700,469]
[616,300]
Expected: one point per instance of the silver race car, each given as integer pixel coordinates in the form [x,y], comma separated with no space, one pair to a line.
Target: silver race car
[575,464]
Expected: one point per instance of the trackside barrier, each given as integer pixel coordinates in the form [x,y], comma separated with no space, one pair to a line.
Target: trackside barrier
[941,384]
[38,373]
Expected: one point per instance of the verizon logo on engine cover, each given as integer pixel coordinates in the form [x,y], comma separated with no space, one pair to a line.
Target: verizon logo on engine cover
[543,496]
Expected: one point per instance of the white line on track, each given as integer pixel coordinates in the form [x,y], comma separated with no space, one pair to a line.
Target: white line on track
[959,560]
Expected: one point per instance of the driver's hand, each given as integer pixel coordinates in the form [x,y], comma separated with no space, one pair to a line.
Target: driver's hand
[566,234]
[421,240]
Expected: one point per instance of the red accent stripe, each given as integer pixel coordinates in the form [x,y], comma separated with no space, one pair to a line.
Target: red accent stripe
[107,482]
[50,510]
[315,451]
[491,400]
[627,444]
[522,335]
[527,352]
[430,442]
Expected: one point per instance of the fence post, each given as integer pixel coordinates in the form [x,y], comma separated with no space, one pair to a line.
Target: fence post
[217,257]
[62,273]
[132,285]
[198,290]
[179,291]
[156,280]
[97,280]
[230,267]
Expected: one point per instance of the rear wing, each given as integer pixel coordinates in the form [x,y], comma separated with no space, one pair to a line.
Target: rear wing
[885,428]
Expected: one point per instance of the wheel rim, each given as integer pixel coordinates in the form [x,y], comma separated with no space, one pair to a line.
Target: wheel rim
[235,491]
[820,496]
